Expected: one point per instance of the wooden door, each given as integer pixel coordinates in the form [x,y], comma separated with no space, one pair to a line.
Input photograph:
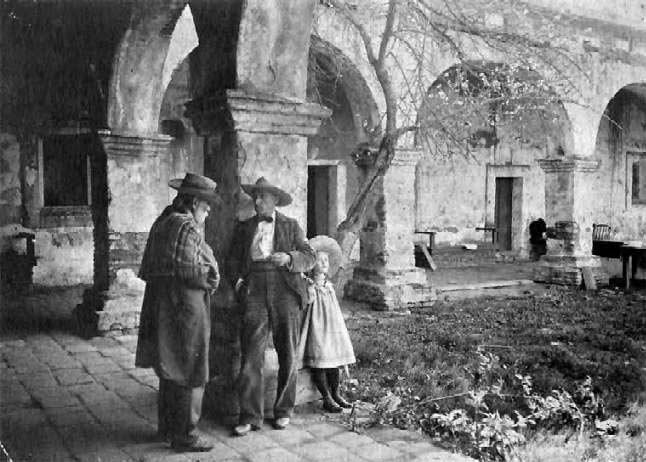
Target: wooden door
[504,189]
[318,200]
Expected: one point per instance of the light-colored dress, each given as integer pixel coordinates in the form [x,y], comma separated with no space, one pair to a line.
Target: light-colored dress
[325,341]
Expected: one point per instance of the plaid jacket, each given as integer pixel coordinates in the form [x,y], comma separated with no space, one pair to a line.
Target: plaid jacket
[176,248]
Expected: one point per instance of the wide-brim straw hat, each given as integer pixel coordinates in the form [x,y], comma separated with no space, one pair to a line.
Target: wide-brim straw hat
[196,185]
[262,185]
[330,246]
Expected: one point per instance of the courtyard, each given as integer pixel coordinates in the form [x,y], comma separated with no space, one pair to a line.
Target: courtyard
[67,398]
[64,398]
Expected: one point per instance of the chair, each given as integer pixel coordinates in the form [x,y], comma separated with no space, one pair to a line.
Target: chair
[600,232]
[602,245]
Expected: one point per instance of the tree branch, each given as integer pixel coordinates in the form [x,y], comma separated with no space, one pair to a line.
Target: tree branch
[388,31]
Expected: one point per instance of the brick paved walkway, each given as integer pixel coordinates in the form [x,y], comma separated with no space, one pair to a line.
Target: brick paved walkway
[63,398]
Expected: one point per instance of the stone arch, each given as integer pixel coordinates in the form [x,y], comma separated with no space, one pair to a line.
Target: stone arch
[619,186]
[605,81]
[186,148]
[456,194]
[466,80]
[329,66]
[335,82]
[327,28]
[156,42]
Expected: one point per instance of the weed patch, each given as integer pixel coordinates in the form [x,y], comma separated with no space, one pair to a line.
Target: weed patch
[485,374]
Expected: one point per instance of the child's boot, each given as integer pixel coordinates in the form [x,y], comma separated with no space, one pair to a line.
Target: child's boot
[333,379]
[318,375]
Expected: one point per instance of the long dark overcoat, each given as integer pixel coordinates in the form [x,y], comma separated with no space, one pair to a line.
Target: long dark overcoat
[175,323]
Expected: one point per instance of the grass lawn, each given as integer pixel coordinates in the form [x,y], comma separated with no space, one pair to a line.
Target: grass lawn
[558,338]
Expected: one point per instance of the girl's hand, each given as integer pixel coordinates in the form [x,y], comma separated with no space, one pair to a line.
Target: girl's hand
[311,294]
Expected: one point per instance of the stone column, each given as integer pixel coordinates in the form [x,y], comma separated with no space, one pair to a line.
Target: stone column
[128,195]
[248,136]
[386,276]
[569,217]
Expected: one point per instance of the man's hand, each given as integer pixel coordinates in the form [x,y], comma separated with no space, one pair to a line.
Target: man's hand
[238,285]
[280,258]
[212,282]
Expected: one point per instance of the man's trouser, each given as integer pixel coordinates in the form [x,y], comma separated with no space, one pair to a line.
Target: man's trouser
[179,409]
[270,304]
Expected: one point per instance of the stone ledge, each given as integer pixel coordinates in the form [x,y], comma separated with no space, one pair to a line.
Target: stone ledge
[390,277]
[133,145]
[567,270]
[257,113]
[105,313]
[394,293]
[568,164]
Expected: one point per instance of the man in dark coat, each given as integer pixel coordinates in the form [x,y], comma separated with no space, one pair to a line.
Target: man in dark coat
[180,273]
[537,241]
[268,254]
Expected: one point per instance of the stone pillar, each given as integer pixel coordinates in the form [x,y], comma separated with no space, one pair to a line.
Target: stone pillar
[248,136]
[569,214]
[386,276]
[128,195]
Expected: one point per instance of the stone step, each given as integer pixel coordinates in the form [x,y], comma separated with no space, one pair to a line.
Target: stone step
[508,288]
[457,257]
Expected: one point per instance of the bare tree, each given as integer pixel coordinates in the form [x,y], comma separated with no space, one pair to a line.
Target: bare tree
[521,76]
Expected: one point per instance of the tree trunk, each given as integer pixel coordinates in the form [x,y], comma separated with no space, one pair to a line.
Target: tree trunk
[348,230]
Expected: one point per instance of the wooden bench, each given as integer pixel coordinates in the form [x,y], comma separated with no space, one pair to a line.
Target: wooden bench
[489,229]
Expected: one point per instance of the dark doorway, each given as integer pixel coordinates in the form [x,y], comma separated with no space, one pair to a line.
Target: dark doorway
[65,169]
[504,190]
[318,200]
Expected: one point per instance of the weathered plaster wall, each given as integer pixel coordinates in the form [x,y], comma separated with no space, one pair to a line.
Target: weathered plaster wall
[272,55]
[608,190]
[455,196]
[136,89]
[64,256]
[450,199]
[130,177]
[64,253]
[276,159]
[10,195]
[629,12]
[186,151]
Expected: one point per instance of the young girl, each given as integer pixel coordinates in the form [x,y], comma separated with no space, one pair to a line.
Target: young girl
[325,341]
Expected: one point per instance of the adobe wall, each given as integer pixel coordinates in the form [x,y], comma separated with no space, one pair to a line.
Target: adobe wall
[10,194]
[609,190]
[455,196]
[629,12]
[64,245]
[64,256]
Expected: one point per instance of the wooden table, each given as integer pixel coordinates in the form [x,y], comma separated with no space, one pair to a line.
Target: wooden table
[630,257]
[492,230]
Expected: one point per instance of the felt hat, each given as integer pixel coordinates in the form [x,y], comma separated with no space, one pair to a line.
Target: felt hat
[262,185]
[330,246]
[196,185]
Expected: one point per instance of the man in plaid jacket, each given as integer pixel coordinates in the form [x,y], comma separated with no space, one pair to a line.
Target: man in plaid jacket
[180,273]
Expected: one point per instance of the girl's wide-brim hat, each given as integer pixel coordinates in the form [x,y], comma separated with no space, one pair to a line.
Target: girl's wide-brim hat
[331,247]
[262,185]
[196,185]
